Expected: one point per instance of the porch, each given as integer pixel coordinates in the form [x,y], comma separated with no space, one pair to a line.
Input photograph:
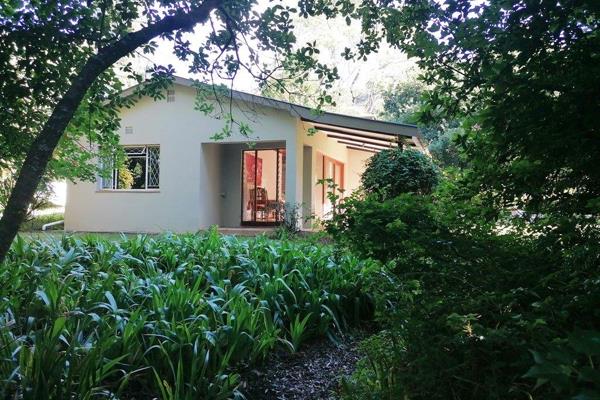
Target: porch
[247,184]
[250,231]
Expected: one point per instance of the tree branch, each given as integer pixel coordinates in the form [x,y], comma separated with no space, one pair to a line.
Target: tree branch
[43,146]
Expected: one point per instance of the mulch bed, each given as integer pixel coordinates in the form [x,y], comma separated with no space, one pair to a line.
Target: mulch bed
[312,373]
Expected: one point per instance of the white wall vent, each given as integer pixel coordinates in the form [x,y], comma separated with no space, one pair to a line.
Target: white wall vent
[170,95]
[128,130]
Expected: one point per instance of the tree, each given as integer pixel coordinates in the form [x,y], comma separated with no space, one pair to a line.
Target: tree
[59,87]
[525,77]
[403,102]
[41,198]
[358,91]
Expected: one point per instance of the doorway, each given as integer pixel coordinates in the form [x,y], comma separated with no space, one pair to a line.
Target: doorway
[263,186]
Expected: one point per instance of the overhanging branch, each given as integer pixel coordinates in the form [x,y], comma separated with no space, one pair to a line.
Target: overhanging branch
[43,146]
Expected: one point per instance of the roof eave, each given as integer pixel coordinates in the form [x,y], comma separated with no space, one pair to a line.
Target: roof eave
[308,115]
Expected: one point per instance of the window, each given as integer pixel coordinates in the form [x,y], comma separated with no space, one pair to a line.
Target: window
[140,170]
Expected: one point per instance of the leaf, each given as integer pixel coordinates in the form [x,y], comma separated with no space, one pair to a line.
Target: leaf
[585,342]
[43,296]
[587,395]
[589,374]
[111,301]
[58,326]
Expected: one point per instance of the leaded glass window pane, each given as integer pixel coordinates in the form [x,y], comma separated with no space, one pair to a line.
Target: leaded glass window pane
[107,183]
[139,171]
[153,167]
[133,151]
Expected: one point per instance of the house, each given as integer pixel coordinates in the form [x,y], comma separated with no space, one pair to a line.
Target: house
[177,178]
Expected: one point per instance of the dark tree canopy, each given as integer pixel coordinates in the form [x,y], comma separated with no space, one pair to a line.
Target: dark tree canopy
[525,77]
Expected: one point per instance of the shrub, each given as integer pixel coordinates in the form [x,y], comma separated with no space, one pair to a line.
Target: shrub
[376,375]
[394,171]
[173,317]
[385,229]
[475,314]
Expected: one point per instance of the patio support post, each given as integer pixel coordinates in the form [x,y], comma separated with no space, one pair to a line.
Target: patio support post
[293,175]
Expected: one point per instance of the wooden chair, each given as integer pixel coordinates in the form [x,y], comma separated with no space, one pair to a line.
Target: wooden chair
[259,200]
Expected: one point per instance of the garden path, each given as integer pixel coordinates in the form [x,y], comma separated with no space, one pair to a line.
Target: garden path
[311,374]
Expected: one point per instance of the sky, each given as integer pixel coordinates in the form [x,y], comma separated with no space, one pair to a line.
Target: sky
[360,83]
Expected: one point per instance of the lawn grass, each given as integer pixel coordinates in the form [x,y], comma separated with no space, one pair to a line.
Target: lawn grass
[59,234]
[36,223]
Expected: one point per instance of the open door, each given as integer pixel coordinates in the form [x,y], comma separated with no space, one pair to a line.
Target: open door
[263,186]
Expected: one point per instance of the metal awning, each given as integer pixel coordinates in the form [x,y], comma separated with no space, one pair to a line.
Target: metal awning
[367,140]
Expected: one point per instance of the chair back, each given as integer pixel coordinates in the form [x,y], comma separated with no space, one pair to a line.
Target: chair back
[260,194]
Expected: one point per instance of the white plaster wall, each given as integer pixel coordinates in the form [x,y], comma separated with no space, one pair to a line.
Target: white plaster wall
[356,165]
[191,166]
[210,183]
[321,145]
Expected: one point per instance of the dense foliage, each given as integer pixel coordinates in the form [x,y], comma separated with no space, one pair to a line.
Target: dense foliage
[383,229]
[394,171]
[475,303]
[176,316]
[525,78]
[463,312]
[402,102]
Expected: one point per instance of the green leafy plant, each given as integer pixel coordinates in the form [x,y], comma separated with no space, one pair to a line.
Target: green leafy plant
[298,331]
[175,316]
[463,301]
[467,306]
[570,366]
[376,376]
[385,229]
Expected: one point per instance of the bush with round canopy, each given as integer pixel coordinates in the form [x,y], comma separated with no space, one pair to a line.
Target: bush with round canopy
[392,172]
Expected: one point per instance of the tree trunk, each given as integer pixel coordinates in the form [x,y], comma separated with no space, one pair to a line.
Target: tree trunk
[41,150]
